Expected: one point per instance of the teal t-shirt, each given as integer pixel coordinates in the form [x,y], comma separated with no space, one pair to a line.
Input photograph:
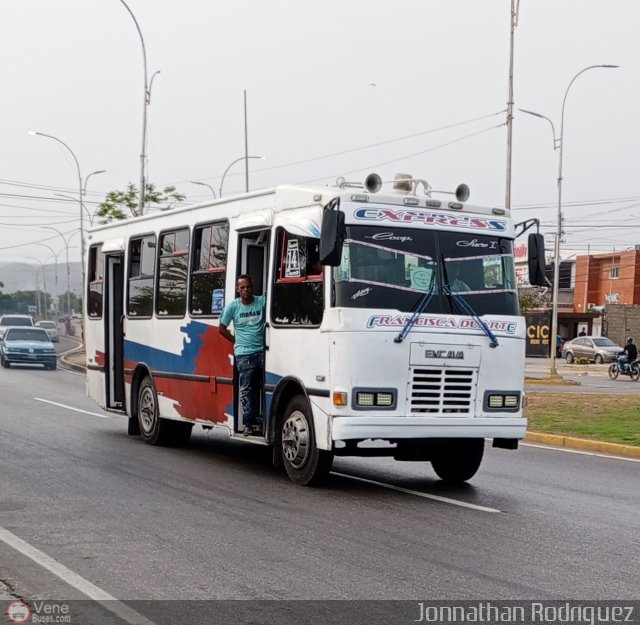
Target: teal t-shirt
[248,324]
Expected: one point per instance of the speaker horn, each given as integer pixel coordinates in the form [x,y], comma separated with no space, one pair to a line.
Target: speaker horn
[462,192]
[373,183]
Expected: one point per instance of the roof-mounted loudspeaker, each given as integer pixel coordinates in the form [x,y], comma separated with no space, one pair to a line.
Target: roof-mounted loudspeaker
[462,192]
[373,183]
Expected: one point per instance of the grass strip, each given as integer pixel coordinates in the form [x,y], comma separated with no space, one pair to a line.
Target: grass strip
[597,416]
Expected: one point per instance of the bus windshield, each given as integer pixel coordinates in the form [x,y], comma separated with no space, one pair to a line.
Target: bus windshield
[392,269]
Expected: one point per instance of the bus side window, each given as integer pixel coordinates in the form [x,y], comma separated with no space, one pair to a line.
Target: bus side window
[95,282]
[208,269]
[140,276]
[173,266]
[298,287]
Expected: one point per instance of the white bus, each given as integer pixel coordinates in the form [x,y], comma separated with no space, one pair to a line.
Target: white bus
[392,323]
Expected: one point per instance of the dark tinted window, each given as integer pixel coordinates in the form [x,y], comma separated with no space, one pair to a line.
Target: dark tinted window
[141,271]
[8,320]
[209,269]
[96,281]
[173,265]
[299,280]
[26,334]
[391,268]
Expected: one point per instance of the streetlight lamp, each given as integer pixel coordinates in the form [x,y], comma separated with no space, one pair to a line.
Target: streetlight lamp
[147,100]
[242,158]
[559,144]
[42,134]
[93,173]
[204,184]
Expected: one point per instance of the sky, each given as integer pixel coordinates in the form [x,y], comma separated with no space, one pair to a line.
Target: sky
[333,88]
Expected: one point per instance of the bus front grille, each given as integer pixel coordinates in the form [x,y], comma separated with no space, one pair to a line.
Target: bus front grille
[442,391]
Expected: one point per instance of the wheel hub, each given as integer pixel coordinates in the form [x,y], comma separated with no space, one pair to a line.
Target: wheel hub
[295,439]
[147,410]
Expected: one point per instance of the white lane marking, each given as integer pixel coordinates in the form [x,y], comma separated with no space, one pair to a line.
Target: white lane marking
[73,579]
[582,452]
[453,502]
[93,414]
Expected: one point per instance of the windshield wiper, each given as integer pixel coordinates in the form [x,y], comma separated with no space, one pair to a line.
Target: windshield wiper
[421,307]
[462,305]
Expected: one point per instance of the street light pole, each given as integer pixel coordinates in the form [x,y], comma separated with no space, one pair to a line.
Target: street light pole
[55,274]
[66,247]
[559,143]
[147,97]
[75,160]
[44,282]
[515,4]
[242,158]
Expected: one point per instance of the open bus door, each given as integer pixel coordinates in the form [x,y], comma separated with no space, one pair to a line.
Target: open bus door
[114,331]
[253,248]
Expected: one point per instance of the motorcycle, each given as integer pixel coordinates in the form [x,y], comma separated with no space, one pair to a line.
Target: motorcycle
[632,369]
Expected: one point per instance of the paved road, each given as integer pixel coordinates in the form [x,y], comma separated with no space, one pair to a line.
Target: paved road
[583,378]
[217,521]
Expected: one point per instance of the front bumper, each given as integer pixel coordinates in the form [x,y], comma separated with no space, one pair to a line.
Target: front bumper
[392,428]
[31,359]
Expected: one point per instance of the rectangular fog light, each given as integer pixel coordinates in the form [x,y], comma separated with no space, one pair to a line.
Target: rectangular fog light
[496,401]
[511,401]
[384,399]
[365,399]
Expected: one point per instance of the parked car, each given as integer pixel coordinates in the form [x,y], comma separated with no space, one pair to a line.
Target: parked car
[14,320]
[24,345]
[52,329]
[596,349]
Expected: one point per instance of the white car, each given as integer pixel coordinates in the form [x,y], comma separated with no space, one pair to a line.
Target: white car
[14,320]
[52,329]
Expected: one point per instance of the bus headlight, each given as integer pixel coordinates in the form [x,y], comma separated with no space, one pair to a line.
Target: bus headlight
[376,398]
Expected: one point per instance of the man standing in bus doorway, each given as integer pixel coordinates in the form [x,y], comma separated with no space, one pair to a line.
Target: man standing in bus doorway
[248,316]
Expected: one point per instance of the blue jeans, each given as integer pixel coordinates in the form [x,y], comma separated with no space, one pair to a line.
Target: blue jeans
[250,370]
[623,362]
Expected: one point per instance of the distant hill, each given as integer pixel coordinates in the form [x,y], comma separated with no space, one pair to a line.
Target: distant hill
[22,277]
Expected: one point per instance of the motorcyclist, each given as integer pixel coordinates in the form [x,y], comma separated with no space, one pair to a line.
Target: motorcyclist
[628,355]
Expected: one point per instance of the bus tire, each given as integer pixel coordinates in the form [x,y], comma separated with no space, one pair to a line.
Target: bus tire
[458,460]
[305,464]
[153,429]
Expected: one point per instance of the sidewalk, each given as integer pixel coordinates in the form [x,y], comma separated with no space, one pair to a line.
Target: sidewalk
[539,368]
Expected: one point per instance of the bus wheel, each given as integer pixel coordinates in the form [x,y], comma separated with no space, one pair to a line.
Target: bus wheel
[458,460]
[153,429]
[304,462]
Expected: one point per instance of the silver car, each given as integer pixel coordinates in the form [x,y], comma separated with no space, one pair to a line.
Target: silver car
[598,349]
[52,329]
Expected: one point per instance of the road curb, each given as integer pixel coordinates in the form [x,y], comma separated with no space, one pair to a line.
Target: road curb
[67,359]
[584,444]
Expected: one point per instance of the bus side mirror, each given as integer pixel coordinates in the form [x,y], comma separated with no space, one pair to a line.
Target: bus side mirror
[537,276]
[332,234]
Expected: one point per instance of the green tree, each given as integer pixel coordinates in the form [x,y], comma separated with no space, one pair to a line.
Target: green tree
[119,205]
